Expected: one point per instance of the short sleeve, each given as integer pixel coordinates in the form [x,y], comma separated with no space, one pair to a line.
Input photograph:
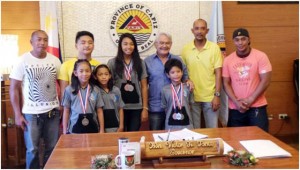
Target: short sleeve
[218,58]
[144,74]
[264,64]
[58,66]
[66,100]
[63,72]
[225,71]
[18,71]
[99,101]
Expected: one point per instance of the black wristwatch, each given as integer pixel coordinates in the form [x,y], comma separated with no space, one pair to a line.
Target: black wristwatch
[217,94]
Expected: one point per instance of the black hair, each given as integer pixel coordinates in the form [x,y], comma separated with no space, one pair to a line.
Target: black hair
[110,82]
[172,63]
[83,33]
[75,84]
[137,61]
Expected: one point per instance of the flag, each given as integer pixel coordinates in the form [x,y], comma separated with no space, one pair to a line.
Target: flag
[48,19]
[216,34]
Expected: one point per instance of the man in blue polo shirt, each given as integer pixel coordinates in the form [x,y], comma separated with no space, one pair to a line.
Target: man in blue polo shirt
[157,79]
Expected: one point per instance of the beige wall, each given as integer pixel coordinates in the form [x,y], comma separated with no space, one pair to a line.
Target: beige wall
[274,29]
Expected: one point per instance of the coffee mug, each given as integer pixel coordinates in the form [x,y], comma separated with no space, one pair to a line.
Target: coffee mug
[125,160]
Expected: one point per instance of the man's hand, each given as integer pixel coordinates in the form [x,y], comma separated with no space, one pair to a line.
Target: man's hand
[215,103]
[21,122]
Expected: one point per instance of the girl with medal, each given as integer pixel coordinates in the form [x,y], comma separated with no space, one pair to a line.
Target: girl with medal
[130,76]
[176,98]
[113,104]
[82,102]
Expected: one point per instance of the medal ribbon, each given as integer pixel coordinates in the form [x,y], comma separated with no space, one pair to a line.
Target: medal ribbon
[127,72]
[86,99]
[175,96]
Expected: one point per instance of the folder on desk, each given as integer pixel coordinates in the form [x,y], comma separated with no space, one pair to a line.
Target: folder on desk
[184,134]
[264,149]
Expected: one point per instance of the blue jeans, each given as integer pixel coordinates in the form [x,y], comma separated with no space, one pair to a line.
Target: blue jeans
[157,120]
[210,117]
[132,120]
[40,126]
[252,117]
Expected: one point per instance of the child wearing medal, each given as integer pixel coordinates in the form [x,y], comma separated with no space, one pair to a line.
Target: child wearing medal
[176,98]
[130,76]
[82,102]
[111,95]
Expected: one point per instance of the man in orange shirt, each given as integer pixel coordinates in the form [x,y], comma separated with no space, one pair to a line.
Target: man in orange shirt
[246,75]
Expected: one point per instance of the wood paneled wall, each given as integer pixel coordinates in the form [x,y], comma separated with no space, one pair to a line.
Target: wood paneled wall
[20,18]
[274,29]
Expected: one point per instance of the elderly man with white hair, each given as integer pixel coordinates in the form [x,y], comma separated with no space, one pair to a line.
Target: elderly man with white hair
[157,79]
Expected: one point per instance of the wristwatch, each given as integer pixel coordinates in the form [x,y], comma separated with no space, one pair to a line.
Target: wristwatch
[217,94]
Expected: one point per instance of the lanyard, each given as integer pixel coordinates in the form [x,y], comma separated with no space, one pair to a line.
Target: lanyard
[175,96]
[127,72]
[86,99]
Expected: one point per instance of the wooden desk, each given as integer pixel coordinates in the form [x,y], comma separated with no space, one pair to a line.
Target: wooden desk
[75,151]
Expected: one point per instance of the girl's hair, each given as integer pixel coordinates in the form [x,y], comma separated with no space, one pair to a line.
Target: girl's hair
[110,82]
[137,62]
[75,84]
[172,63]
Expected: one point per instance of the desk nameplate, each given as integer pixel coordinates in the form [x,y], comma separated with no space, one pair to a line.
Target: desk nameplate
[188,148]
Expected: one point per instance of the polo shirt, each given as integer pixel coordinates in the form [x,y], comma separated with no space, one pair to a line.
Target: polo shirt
[201,68]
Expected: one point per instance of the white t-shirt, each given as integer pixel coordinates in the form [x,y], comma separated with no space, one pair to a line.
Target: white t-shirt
[38,78]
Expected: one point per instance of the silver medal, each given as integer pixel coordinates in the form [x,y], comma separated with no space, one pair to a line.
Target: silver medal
[182,116]
[85,121]
[178,116]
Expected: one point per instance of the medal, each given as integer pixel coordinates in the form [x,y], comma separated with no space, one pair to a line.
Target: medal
[175,96]
[178,116]
[85,121]
[182,116]
[128,87]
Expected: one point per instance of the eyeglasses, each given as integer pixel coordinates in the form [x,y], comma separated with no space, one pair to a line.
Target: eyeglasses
[164,43]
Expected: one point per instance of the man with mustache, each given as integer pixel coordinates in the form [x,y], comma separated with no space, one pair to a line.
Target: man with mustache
[203,59]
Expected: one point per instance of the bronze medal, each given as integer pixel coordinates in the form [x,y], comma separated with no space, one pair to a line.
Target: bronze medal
[174,116]
[130,87]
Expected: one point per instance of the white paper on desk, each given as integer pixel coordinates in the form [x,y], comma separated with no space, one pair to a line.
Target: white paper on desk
[185,134]
[133,146]
[264,149]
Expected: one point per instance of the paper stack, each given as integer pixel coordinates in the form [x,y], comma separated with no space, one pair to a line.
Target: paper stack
[264,149]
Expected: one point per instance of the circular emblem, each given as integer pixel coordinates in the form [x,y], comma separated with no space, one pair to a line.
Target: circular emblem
[136,19]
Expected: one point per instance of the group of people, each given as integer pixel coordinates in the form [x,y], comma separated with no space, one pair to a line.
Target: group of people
[171,90]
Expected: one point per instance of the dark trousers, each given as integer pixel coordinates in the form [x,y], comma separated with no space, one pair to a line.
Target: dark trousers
[132,120]
[252,117]
[157,120]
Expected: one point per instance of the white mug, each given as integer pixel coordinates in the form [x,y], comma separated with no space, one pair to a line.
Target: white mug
[126,158]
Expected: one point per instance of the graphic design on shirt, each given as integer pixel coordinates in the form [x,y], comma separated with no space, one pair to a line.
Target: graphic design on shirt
[243,70]
[42,87]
